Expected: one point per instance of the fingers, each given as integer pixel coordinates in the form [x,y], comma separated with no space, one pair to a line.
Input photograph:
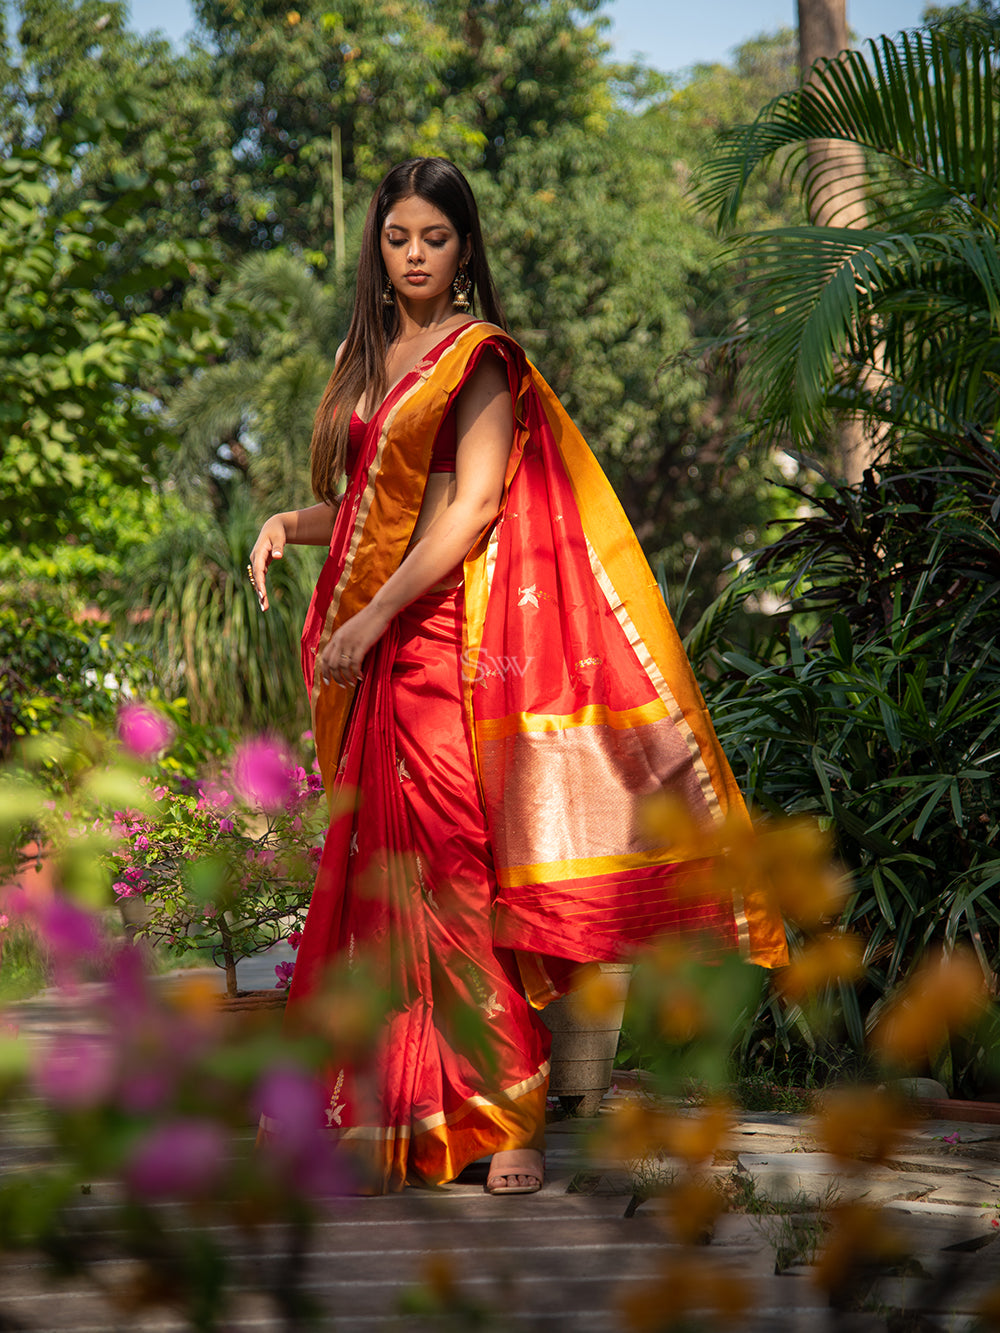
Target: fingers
[258,586]
[339,668]
[260,558]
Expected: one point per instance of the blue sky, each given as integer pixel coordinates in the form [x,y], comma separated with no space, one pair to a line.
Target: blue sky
[670,34]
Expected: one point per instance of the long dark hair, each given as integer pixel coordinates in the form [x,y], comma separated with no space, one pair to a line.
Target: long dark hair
[373,324]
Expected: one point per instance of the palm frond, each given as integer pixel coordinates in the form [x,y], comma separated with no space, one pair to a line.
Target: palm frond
[926,102]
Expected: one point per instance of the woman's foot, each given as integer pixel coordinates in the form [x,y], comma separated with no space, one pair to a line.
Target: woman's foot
[517,1171]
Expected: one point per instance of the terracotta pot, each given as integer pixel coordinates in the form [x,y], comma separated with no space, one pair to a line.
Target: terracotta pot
[584,1048]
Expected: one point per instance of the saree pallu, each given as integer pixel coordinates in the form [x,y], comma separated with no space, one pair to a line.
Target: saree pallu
[404,898]
[576,701]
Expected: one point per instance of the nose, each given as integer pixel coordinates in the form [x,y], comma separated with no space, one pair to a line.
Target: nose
[414,252]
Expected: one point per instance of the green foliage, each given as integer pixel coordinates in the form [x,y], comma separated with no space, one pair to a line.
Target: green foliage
[899,319]
[57,663]
[884,718]
[234,665]
[249,417]
[24,967]
[72,364]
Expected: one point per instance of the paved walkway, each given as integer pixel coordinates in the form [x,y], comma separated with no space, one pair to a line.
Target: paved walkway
[567,1259]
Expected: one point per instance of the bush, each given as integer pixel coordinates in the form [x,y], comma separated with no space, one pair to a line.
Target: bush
[880,713]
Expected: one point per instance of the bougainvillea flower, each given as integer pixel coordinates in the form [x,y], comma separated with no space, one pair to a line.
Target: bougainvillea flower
[283,971]
[261,774]
[183,1158]
[75,1072]
[143,730]
[72,934]
[293,1102]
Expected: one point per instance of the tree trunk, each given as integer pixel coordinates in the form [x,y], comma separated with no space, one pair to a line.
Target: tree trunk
[835,187]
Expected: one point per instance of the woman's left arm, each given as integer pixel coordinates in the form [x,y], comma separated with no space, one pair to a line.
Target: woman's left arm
[485,432]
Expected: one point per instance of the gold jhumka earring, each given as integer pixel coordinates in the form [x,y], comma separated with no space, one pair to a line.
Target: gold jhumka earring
[388,295]
[460,289]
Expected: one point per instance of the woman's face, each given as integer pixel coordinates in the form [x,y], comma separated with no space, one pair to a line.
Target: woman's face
[421,250]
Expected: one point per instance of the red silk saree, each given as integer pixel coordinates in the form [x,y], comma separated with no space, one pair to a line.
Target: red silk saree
[488,771]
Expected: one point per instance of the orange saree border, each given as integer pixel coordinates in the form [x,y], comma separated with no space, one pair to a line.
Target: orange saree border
[614,715]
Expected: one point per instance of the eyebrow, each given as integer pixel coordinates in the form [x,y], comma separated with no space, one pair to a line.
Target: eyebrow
[435,226]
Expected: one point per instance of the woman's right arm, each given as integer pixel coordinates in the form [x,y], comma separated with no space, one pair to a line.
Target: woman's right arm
[302,527]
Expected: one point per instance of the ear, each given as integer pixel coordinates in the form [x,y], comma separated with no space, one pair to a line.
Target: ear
[466,252]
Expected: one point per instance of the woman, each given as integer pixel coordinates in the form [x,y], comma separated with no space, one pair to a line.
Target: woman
[495,686]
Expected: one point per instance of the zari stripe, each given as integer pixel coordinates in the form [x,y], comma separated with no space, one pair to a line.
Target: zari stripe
[581,867]
[591,715]
[511,1094]
[652,670]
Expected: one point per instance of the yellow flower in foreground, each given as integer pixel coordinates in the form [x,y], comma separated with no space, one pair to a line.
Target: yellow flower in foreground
[292,17]
[946,994]
[439,1275]
[860,1124]
[599,997]
[696,1138]
[832,956]
[860,1234]
[693,1207]
[988,1309]
[634,1131]
[686,1286]
[195,996]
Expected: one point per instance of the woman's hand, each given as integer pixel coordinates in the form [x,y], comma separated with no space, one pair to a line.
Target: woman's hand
[270,545]
[340,661]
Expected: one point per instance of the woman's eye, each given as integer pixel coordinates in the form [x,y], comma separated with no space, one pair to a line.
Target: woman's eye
[396,244]
[438,244]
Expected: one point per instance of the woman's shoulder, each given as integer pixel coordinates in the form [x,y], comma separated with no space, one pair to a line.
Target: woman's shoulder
[481,333]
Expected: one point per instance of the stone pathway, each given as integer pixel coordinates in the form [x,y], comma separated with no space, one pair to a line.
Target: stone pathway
[563,1261]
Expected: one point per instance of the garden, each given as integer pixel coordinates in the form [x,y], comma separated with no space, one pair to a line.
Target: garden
[803,366]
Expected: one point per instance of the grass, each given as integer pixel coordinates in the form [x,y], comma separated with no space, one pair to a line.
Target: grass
[758,1092]
[24,967]
[794,1228]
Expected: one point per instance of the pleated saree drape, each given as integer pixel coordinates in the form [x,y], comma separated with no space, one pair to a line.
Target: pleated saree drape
[496,752]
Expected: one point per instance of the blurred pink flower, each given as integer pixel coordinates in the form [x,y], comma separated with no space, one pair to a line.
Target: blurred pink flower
[4,920]
[295,938]
[75,1072]
[183,1158]
[160,792]
[72,934]
[124,890]
[260,774]
[226,826]
[304,1155]
[283,971]
[143,730]
[314,782]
